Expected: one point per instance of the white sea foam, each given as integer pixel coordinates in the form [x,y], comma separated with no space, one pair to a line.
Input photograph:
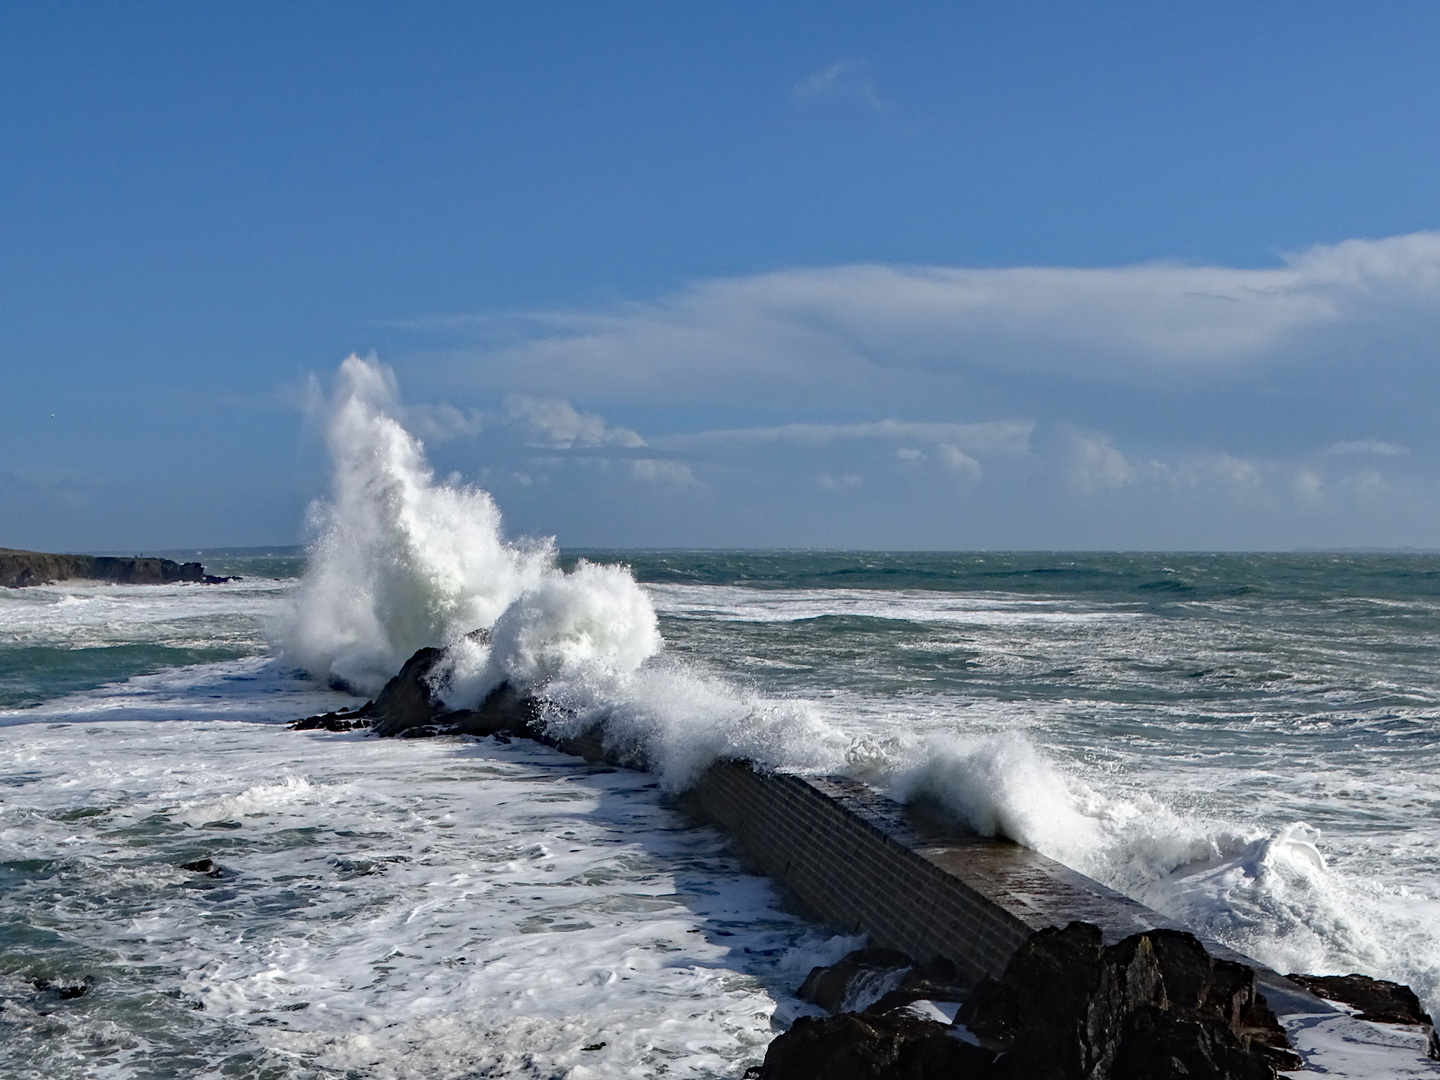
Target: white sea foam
[679,720]
[590,623]
[1270,895]
[426,908]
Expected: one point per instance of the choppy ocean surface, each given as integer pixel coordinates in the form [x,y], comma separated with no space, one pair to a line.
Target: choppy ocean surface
[1249,743]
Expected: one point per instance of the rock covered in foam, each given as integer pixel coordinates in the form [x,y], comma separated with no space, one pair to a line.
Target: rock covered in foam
[883,978]
[1377,1000]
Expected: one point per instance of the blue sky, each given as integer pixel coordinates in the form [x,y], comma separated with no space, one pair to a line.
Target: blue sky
[949,276]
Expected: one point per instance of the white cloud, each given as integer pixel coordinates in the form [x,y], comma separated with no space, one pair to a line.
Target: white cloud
[873,332]
[1096,464]
[1228,468]
[556,425]
[956,460]
[441,423]
[992,436]
[909,453]
[843,79]
[1368,482]
[1371,447]
[838,483]
[660,471]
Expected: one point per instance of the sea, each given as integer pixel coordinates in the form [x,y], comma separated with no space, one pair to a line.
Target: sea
[1248,743]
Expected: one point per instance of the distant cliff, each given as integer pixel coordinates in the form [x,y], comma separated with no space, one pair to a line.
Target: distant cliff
[21,568]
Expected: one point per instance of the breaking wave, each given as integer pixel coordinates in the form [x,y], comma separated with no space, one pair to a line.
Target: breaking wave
[401,560]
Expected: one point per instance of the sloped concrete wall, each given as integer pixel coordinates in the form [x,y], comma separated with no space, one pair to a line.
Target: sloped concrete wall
[909,879]
[857,873]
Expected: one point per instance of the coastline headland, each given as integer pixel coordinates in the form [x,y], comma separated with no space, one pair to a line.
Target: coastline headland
[1036,959]
[19,569]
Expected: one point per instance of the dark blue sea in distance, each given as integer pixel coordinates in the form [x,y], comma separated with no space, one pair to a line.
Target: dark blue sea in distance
[1249,742]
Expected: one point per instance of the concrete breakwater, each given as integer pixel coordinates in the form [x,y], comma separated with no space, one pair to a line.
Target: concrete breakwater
[19,569]
[904,876]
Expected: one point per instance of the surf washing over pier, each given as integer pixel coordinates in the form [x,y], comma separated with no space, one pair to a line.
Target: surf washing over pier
[1244,744]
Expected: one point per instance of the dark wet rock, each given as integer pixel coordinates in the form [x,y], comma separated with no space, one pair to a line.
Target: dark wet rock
[850,1046]
[1380,1001]
[1000,1008]
[881,980]
[1066,1007]
[1377,1000]
[506,710]
[1154,1006]
[340,720]
[407,701]
[1160,1045]
[19,569]
[208,867]
[407,708]
[65,991]
[837,987]
[935,980]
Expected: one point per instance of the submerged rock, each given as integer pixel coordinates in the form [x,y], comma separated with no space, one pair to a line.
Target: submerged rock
[339,720]
[866,974]
[65,991]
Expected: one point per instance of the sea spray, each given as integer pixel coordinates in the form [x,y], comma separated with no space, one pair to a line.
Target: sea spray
[680,719]
[594,620]
[401,561]
[1269,894]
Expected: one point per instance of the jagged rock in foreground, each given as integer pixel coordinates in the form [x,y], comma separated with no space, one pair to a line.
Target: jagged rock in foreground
[899,1044]
[884,978]
[1153,1006]
[1377,1000]
[19,569]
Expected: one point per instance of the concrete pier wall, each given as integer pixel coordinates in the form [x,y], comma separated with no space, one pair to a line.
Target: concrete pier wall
[852,861]
[912,881]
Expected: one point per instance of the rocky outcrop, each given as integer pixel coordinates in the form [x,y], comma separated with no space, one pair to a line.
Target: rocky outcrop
[884,978]
[1069,1008]
[21,568]
[408,708]
[898,1043]
[1375,1000]
[1153,1006]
